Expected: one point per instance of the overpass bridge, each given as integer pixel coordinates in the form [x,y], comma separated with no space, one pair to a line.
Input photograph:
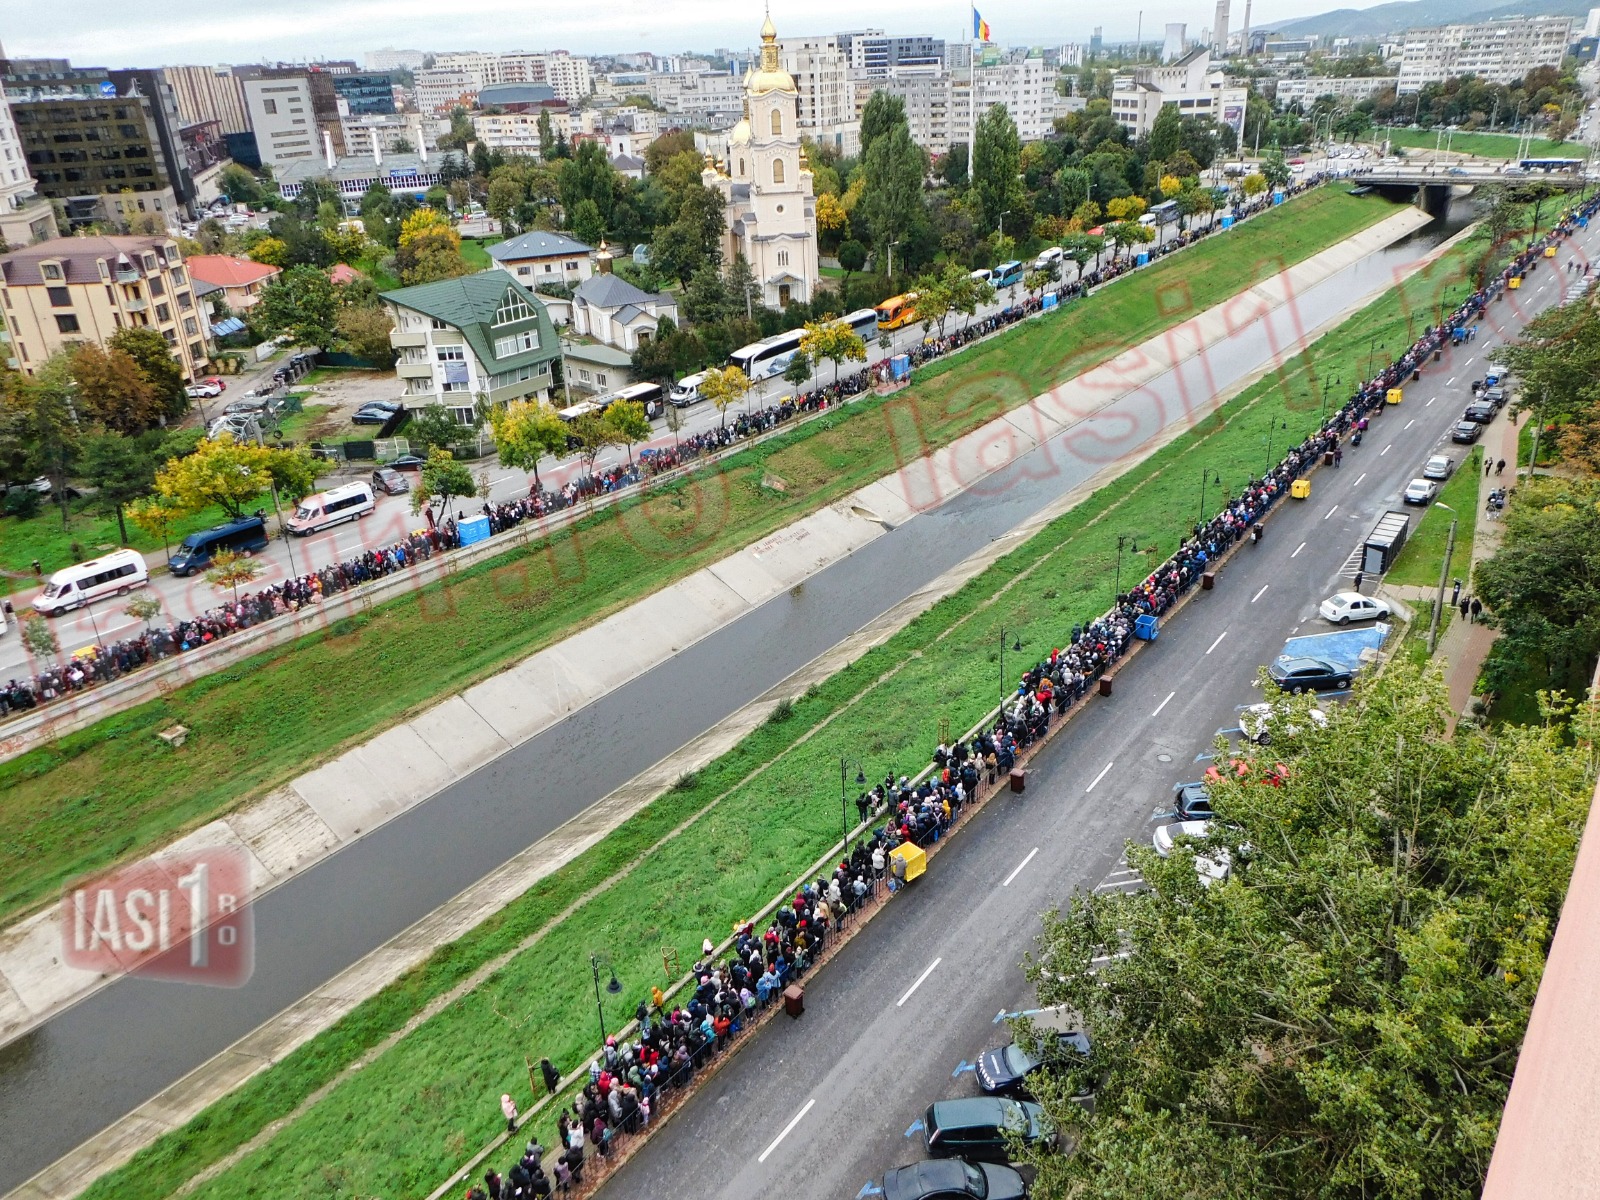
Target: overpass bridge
[1434,185]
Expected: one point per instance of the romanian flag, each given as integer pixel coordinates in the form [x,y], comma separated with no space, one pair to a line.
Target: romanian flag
[980,27]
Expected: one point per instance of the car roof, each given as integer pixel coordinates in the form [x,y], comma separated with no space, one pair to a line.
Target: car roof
[1347,597]
[1439,458]
[1295,664]
[923,1178]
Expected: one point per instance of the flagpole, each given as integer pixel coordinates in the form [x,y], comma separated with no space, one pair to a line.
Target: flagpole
[972,97]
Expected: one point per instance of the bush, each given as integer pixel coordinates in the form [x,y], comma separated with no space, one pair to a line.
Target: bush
[22,503]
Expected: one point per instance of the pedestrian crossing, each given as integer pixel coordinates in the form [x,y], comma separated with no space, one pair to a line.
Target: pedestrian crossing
[1352,565]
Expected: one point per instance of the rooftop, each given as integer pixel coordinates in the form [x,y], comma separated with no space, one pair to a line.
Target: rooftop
[472,303]
[363,166]
[226,271]
[79,257]
[536,243]
[612,291]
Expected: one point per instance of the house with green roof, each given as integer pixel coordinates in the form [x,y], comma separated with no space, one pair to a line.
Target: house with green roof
[481,337]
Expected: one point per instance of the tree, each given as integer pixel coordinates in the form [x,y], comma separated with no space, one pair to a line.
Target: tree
[38,412]
[1165,133]
[1341,1015]
[996,160]
[150,351]
[1035,281]
[724,386]
[834,341]
[547,141]
[706,298]
[271,252]
[593,434]
[229,569]
[429,249]
[156,515]
[443,477]
[881,113]
[891,195]
[121,473]
[588,225]
[231,475]
[1275,168]
[693,236]
[852,257]
[240,186]
[365,333]
[590,176]
[797,371]
[1253,184]
[300,304]
[40,639]
[628,424]
[145,606]
[525,431]
[435,427]
[111,389]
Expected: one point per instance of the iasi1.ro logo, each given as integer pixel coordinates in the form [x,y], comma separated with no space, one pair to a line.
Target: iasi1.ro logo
[183,917]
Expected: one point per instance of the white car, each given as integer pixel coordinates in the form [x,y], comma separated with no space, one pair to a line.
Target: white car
[1344,607]
[203,391]
[1255,723]
[1439,467]
[1166,835]
[1420,491]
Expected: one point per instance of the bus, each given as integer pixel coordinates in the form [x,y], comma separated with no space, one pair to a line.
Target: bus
[762,360]
[1007,273]
[648,394]
[981,275]
[897,311]
[1166,212]
[1551,164]
[863,323]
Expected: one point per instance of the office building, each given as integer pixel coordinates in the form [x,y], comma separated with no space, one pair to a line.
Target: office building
[826,101]
[86,288]
[1190,84]
[208,94]
[1306,92]
[352,174]
[390,59]
[106,144]
[438,91]
[284,120]
[364,95]
[872,53]
[1499,51]
[939,107]
[565,74]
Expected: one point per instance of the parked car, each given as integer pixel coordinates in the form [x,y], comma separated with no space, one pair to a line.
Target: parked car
[1166,836]
[371,415]
[978,1127]
[1343,607]
[1192,801]
[1004,1070]
[1299,674]
[1466,432]
[202,390]
[1495,396]
[1255,723]
[250,406]
[390,482]
[953,1179]
[408,462]
[1481,411]
[1420,491]
[1439,467]
[216,381]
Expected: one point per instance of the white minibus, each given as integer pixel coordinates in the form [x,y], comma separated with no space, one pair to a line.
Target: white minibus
[114,574]
[326,509]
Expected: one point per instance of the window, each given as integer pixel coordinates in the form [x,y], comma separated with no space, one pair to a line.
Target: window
[455,386]
[59,297]
[50,270]
[527,270]
[163,313]
[777,170]
[463,416]
[177,276]
[157,287]
[185,301]
[269,106]
[517,343]
[512,309]
[777,123]
[438,324]
[149,259]
[66,323]
[190,327]
[783,258]
[451,353]
[197,352]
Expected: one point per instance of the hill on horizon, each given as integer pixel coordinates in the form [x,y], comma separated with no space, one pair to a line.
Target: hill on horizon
[1401,15]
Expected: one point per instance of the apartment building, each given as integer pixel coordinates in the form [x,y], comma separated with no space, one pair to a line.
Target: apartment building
[25,215]
[569,76]
[284,119]
[438,91]
[540,257]
[208,94]
[827,107]
[517,133]
[939,107]
[482,335]
[86,288]
[1353,88]
[873,54]
[697,92]
[1500,51]
[390,59]
[1190,84]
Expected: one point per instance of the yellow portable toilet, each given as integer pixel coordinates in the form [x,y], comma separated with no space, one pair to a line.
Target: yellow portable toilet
[1300,489]
[1549,251]
[1514,282]
[1394,395]
[906,862]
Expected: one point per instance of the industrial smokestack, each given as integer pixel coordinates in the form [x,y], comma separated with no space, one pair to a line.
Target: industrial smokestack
[377,148]
[327,149]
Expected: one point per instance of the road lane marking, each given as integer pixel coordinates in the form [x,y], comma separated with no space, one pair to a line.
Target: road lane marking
[1017,872]
[1097,778]
[1409,424]
[1449,381]
[1325,516]
[1218,642]
[787,1129]
[1430,402]
[1163,704]
[1257,596]
[898,1003]
[1386,450]
[1359,478]
[1297,550]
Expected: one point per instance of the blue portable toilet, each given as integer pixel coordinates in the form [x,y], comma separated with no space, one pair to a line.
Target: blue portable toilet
[1277,195]
[1143,260]
[474,529]
[1145,627]
[1051,299]
[1227,222]
[900,366]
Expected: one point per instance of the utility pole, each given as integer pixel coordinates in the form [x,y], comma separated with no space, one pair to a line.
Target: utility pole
[1444,574]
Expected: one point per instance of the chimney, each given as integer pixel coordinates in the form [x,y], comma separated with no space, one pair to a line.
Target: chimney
[377,148]
[327,149]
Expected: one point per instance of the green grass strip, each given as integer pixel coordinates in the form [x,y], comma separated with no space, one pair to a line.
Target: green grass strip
[1419,561]
[399,1125]
[108,792]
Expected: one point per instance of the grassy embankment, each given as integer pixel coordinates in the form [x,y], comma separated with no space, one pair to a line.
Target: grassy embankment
[1480,145]
[750,821]
[102,794]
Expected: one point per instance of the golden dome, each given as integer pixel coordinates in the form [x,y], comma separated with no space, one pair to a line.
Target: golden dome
[771,77]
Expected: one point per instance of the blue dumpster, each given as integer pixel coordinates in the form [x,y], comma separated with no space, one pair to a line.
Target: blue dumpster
[1145,628]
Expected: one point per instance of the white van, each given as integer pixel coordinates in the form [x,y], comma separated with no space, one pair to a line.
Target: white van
[326,509]
[1048,257]
[117,573]
[687,390]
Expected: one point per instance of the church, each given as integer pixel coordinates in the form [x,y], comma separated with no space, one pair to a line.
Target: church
[766,185]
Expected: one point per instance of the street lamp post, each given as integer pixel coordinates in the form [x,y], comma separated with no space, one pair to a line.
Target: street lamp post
[1331,383]
[1444,573]
[1271,430]
[1372,348]
[1205,477]
[1000,225]
[1123,539]
[615,986]
[844,810]
[890,272]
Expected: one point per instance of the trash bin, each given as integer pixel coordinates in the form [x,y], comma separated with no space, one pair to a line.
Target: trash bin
[794,999]
[1549,251]
[1327,458]
[1416,374]
[1300,489]
[1208,581]
[1019,779]
[1105,685]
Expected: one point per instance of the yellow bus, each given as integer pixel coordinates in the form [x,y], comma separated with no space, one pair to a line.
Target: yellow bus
[897,311]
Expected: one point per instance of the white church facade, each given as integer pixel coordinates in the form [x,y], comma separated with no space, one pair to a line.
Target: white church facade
[765,183]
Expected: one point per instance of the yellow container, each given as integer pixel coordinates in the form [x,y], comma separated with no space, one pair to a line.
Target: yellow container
[1549,251]
[1300,489]
[906,862]
[1514,282]
[1394,395]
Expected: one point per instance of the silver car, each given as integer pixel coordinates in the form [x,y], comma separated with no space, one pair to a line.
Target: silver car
[1439,467]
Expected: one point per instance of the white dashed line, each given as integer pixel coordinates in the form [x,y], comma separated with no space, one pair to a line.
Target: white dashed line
[1163,704]
[1359,478]
[1430,402]
[1297,550]
[898,1003]
[1257,596]
[1218,642]
[1098,778]
[1409,424]
[787,1129]
[1325,516]
[1386,450]
[1020,865]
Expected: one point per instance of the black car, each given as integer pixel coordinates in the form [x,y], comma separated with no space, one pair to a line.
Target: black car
[953,1179]
[408,462]
[981,1128]
[1481,411]
[389,481]
[1004,1070]
[1308,674]
[371,416]
[1191,802]
[1495,396]
[1466,432]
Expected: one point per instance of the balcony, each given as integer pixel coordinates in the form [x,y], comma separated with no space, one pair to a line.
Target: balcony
[127,275]
[135,305]
[406,339]
[420,370]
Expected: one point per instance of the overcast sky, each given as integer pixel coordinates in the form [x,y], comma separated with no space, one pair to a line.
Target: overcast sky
[118,33]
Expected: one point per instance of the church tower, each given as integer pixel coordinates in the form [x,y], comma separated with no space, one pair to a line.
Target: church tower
[770,208]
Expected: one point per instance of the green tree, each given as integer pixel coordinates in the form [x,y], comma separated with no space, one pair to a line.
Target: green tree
[40,639]
[798,370]
[525,431]
[444,478]
[593,434]
[881,113]
[39,413]
[300,304]
[1165,133]
[435,427]
[145,606]
[150,350]
[1275,168]
[834,341]
[587,224]
[590,176]
[852,258]
[628,424]
[692,238]
[240,186]
[706,298]
[1340,1016]
[547,141]
[231,475]
[111,389]
[724,386]
[230,569]
[365,333]
[121,472]
[156,516]
[996,161]
[891,196]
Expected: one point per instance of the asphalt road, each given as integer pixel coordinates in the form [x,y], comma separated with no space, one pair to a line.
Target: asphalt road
[893,1021]
[99,1059]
